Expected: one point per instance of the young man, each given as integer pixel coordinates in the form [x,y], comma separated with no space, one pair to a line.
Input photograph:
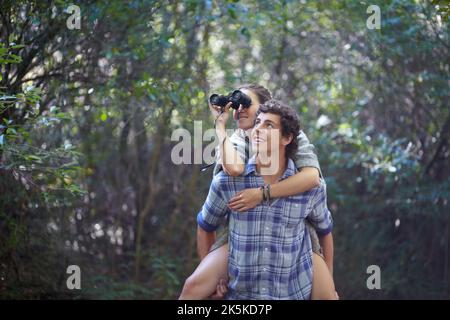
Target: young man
[270,255]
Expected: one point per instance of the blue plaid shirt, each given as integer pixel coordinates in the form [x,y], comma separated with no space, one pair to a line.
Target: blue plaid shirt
[270,253]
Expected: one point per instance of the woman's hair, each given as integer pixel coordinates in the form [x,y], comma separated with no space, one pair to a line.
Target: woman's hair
[262,93]
[290,124]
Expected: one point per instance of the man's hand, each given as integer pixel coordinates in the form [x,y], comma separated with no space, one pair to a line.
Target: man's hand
[221,290]
[246,199]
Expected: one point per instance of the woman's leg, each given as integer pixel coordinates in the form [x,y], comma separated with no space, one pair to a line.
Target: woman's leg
[203,282]
[323,284]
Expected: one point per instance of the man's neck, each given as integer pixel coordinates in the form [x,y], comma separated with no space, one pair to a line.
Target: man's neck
[271,167]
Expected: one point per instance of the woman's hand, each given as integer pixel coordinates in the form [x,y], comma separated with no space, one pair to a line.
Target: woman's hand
[223,118]
[246,199]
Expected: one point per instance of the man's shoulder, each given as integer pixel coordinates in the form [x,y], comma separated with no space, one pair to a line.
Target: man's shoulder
[219,178]
[319,192]
[321,187]
[222,178]
[225,182]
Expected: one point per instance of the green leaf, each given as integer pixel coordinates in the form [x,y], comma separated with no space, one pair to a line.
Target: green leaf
[33,157]
[17,46]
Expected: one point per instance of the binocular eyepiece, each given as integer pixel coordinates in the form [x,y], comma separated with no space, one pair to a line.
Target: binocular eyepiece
[237,98]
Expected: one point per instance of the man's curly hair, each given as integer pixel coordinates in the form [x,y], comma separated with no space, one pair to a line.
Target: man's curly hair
[290,123]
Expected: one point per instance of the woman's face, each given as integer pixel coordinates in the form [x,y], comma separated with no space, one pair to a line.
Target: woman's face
[245,117]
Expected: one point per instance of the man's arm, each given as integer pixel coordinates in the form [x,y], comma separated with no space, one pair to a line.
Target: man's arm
[213,213]
[204,241]
[326,242]
[320,218]
[319,215]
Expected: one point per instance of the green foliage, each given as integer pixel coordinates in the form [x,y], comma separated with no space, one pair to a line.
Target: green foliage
[106,288]
[35,177]
[54,166]
[86,118]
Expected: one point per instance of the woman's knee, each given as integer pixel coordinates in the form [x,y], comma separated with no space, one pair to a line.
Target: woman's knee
[205,278]
[190,287]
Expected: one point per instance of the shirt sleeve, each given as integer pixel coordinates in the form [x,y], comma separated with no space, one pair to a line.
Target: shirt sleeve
[319,215]
[239,144]
[215,208]
[305,155]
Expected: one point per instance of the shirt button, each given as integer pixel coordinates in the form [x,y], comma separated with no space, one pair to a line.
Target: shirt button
[266,249]
[296,205]
[264,269]
[267,228]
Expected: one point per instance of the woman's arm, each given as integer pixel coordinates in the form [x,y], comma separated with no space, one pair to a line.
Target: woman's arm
[232,163]
[302,181]
[308,178]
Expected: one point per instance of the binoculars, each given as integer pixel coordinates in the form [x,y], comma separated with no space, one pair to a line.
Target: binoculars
[237,98]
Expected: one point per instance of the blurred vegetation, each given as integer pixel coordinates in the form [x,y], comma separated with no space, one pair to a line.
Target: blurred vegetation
[86,118]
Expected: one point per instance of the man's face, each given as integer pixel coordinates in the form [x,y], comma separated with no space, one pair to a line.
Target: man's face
[268,142]
[245,117]
[266,134]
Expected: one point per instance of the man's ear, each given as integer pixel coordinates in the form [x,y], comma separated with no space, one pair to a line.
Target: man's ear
[286,140]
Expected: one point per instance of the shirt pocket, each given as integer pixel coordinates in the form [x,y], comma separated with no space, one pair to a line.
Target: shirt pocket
[295,210]
[242,225]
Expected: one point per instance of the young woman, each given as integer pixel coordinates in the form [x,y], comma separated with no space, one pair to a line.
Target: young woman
[211,274]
